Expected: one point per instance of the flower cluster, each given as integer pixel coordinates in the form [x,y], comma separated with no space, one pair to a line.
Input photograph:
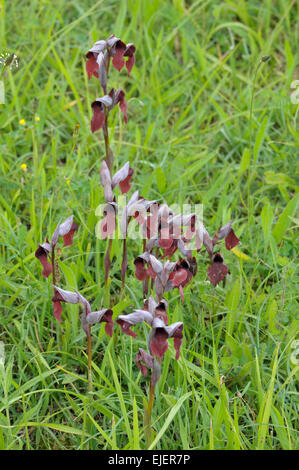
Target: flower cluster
[165,231]
[97,64]
[154,314]
[101,52]
[165,235]
[122,178]
[45,252]
[88,317]
[168,275]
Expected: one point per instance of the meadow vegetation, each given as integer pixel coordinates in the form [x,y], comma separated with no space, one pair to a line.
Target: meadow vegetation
[210,121]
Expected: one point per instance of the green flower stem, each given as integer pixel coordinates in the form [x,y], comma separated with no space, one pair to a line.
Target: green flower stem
[89,353]
[148,417]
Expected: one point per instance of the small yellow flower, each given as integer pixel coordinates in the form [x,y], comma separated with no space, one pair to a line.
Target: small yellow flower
[37,118]
[22,122]
[68,181]
[24,167]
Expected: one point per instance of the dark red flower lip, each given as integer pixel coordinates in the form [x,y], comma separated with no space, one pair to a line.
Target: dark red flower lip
[105,316]
[218,270]
[118,60]
[159,344]
[159,335]
[231,240]
[126,327]
[92,66]
[140,270]
[68,237]
[125,185]
[98,117]
[57,310]
[42,255]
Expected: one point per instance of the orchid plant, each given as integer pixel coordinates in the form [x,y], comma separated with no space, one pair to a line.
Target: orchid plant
[98,61]
[164,234]
[98,64]
[46,254]
[88,319]
[155,315]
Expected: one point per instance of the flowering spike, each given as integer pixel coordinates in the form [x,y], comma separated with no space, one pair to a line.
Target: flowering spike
[102,316]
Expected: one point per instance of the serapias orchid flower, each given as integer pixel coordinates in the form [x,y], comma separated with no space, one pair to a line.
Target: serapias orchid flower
[160,332]
[160,272]
[93,65]
[104,105]
[226,232]
[167,276]
[88,317]
[119,51]
[146,361]
[99,56]
[182,274]
[122,178]
[159,335]
[169,232]
[217,271]
[136,208]
[65,230]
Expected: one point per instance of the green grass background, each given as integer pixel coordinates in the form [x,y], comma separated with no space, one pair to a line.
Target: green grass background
[189,141]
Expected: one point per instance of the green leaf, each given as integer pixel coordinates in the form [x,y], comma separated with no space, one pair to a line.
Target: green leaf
[121,398]
[169,418]
[232,302]
[161,179]
[136,445]
[284,220]
[259,139]
[57,427]
[265,410]
[279,179]
[271,315]
[245,161]
[267,218]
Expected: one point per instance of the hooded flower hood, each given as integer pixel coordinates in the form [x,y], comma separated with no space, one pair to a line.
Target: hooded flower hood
[99,54]
[88,317]
[104,105]
[65,230]
[155,316]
